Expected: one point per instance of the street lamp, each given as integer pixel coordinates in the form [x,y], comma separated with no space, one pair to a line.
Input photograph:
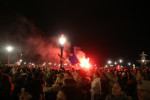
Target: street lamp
[9,49]
[115,63]
[129,63]
[62,41]
[120,61]
[109,61]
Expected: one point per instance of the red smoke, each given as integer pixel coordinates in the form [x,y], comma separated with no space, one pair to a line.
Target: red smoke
[48,48]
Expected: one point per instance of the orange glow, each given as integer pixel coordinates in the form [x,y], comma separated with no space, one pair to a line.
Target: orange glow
[84,63]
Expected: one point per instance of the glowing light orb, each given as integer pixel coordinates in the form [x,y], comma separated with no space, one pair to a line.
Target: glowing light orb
[84,63]
[9,48]
[62,40]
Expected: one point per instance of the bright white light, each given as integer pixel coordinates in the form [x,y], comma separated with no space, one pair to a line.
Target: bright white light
[115,63]
[9,48]
[62,40]
[106,66]
[50,63]
[54,64]
[143,61]
[65,64]
[120,61]
[32,63]
[24,62]
[20,60]
[111,65]
[121,66]
[44,64]
[109,61]
[129,64]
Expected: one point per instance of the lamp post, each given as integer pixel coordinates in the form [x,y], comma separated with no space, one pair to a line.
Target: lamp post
[120,61]
[62,41]
[9,49]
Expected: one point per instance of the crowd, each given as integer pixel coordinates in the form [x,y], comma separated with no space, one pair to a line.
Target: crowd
[44,83]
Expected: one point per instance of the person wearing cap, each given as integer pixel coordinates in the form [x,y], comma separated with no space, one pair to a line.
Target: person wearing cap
[144,90]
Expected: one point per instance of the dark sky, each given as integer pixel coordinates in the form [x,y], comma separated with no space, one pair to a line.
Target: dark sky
[102,28]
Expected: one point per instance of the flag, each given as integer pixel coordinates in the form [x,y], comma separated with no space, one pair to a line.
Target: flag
[19,63]
[73,59]
[63,59]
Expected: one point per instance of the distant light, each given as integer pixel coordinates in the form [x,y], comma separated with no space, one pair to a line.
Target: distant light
[109,61]
[62,39]
[115,63]
[106,66]
[9,48]
[111,65]
[49,63]
[65,64]
[24,62]
[32,63]
[143,61]
[54,64]
[95,64]
[133,65]
[20,60]
[121,66]
[44,63]
[120,61]
[129,64]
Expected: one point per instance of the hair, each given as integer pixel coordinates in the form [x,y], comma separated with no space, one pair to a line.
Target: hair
[72,93]
[35,88]
[24,70]
[98,74]
[68,73]
[70,82]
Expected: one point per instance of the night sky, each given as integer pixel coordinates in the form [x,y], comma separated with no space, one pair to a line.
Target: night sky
[103,29]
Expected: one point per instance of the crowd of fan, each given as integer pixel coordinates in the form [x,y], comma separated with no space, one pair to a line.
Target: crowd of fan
[44,83]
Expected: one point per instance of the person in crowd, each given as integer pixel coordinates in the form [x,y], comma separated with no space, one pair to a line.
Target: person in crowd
[132,86]
[82,83]
[96,87]
[67,75]
[59,82]
[118,92]
[69,93]
[6,87]
[35,88]
[69,82]
[112,79]
[25,96]
[144,90]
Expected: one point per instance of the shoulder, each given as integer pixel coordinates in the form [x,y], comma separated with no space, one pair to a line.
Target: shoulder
[129,98]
